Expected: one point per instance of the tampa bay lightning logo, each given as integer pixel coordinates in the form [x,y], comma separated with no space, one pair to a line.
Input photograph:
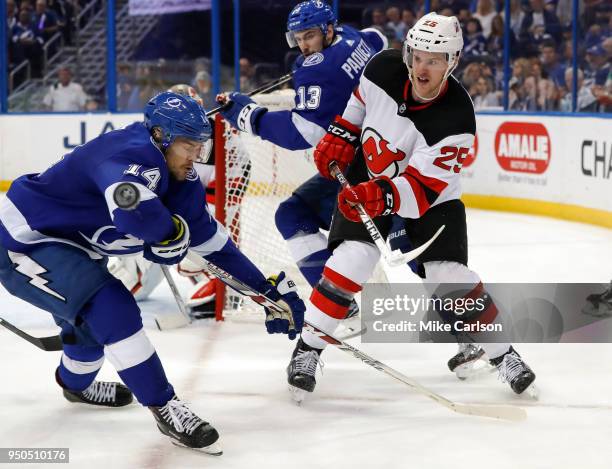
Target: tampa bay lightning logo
[192,175]
[319,4]
[314,59]
[174,103]
[106,240]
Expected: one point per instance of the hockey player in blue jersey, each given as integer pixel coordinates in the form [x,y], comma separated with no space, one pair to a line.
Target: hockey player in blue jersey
[128,191]
[333,58]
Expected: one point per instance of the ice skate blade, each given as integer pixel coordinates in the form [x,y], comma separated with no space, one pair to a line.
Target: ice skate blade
[532,392]
[212,450]
[472,369]
[298,395]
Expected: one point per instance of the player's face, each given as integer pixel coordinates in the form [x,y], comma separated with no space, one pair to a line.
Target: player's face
[309,41]
[428,69]
[180,157]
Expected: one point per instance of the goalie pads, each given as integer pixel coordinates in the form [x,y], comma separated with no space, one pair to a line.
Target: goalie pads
[138,275]
[202,292]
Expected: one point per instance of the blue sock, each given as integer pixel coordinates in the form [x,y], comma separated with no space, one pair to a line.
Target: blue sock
[88,356]
[148,382]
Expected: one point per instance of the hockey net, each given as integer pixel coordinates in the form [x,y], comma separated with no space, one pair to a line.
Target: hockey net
[253,177]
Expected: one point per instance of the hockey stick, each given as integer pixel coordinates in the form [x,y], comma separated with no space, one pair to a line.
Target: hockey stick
[48,344]
[173,321]
[393,258]
[501,412]
[262,89]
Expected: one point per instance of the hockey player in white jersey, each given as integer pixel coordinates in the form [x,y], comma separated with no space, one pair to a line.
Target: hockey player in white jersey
[416,124]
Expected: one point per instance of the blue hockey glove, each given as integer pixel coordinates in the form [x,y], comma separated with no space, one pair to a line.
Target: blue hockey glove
[170,251]
[283,290]
[243,113]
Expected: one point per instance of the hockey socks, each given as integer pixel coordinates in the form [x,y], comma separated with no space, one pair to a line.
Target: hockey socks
[79,366]
[148,382]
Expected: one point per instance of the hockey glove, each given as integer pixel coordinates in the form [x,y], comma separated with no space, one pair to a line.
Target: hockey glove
[339,145]
[243,113]
[170,251]
[378,196]
[283,290]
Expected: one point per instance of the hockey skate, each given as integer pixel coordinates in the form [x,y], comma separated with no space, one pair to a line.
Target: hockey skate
[514,371]
[465,363]
[186,429]
[301,370]
[599,304]
[101,393]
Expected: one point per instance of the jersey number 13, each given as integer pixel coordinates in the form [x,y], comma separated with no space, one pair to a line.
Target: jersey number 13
[308,98]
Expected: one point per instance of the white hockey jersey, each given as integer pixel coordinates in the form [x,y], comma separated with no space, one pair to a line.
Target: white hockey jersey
[421,146]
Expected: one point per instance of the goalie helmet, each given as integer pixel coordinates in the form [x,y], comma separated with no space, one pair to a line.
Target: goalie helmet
[176,115]
[307,15]
[435,33]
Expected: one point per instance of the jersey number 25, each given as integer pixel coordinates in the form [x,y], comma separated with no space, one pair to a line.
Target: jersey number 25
[450,153]
[308,98]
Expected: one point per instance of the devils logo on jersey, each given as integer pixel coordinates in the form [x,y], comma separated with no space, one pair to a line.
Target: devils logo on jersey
[380,157]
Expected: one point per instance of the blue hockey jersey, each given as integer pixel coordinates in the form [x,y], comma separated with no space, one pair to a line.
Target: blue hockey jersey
[323,84]
[72,203]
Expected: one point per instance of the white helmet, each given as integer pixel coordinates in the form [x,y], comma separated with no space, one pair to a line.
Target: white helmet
[435,33]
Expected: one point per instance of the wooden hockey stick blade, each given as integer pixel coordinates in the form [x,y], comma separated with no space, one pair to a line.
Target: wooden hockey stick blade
[165,322]
[500,412]
[48,344]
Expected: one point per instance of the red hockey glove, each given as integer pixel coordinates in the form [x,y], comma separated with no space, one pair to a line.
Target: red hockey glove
[378,196]
[338,145]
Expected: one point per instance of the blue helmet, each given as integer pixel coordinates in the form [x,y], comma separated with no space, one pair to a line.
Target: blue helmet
[177,115]
[306,15]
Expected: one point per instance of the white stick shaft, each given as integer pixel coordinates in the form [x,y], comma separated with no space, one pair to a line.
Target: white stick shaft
[173,321]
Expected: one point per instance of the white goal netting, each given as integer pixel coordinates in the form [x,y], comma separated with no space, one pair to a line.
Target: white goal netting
[258,176]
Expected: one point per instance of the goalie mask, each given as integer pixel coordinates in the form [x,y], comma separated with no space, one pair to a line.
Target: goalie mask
[434,33]
[307,15]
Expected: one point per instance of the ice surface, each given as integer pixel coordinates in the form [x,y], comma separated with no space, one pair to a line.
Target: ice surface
[233,374]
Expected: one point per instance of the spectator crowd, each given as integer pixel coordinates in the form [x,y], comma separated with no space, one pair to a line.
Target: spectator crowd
[540,51]
[32,23]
